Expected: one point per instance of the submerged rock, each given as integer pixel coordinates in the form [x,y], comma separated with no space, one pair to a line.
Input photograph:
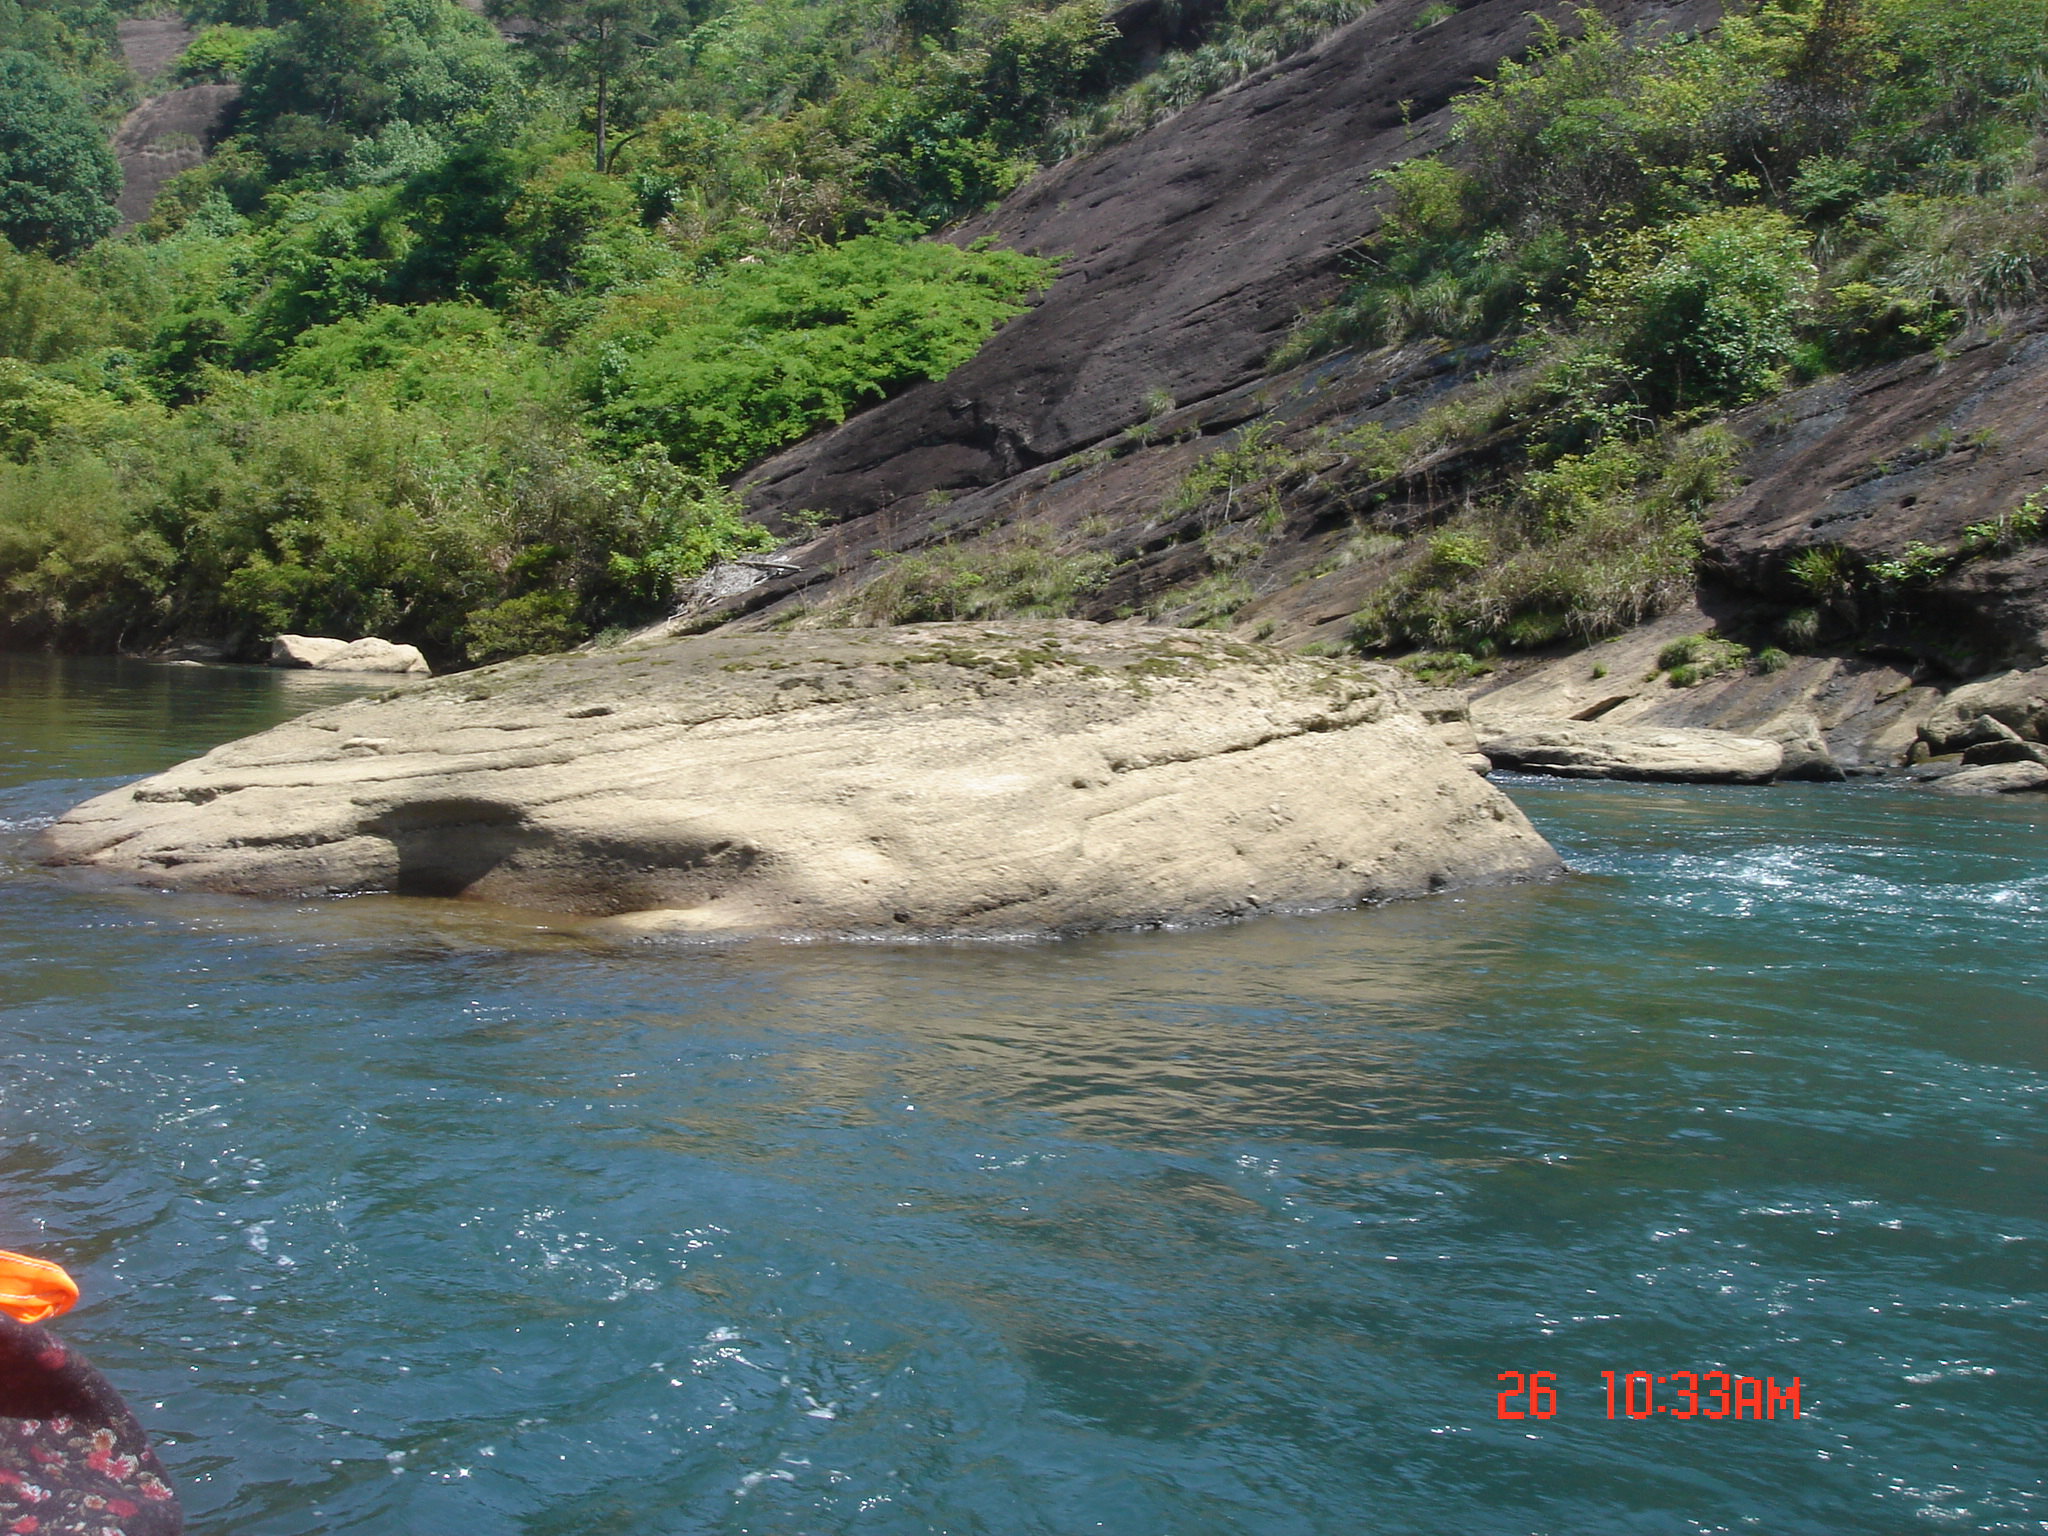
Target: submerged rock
[1595,750]
[1005,778]
[327,655]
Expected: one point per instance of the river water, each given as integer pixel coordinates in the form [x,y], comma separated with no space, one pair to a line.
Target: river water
[409,1219]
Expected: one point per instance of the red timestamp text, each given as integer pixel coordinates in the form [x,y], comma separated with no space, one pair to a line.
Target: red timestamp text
[1641,1395]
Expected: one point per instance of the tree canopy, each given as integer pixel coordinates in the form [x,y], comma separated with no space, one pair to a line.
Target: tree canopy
[58,179]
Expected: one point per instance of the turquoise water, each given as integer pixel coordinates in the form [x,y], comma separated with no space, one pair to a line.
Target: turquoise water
[396,1217]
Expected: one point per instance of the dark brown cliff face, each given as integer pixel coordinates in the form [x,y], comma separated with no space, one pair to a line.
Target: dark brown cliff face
[1189,252]
[1913,453]
[1081,428]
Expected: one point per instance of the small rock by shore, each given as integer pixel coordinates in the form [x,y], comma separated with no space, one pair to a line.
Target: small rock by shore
[366,655]
[1001,778]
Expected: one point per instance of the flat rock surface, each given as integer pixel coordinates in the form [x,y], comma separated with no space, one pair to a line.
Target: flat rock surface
[1001,778]
[1595,750]
[1996,779]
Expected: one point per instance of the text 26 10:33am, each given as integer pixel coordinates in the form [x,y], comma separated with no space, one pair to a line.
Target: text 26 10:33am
[1639,1395]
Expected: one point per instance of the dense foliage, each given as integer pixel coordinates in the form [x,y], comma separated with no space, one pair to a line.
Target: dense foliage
[1886,148]
[57,176]
[459,334]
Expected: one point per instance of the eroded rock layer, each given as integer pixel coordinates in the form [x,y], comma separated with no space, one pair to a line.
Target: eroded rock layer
[1007,778]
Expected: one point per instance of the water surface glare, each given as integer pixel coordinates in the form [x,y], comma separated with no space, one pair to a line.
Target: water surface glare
[408,1219]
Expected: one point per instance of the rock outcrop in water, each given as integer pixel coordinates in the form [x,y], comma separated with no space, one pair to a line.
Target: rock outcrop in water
[1662,754]
[1004,778]
[2015,701]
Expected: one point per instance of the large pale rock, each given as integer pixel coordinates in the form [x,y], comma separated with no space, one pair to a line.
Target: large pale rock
[1999,779]
[304,650]
[1595,750]
[328,655]
[997,778]
[2016,700]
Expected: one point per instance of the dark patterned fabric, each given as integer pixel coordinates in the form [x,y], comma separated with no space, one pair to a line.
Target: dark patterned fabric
[73,1461]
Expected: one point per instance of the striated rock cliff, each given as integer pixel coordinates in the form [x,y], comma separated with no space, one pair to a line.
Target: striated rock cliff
[1082,433]
[1189,251]
[169,132]
[1011,778]
[1918,451]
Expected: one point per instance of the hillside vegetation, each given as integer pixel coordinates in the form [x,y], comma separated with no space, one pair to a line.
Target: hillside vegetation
[1650,236]
[459,334]
[464,333]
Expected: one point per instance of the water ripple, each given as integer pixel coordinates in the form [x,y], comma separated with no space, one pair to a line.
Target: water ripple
[399,1217]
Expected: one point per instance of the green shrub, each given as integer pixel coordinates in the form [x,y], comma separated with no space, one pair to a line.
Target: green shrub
[36,411]
[358,518]
[1443,669]
[2024,524]
[1586,550]
[1249,35]
[1459,552]
[1696,658]
[1824,571]
[1706,309]
[79,557]
[1649,191]
[47,312]
[538,623]
[1211,603]
[1801,628]
[1867,323]
[1217,478]
[58,179]
[723,372]
[218,53]
[1915,565]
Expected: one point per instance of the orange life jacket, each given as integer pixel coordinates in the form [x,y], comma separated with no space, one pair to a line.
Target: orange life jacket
[34,1290]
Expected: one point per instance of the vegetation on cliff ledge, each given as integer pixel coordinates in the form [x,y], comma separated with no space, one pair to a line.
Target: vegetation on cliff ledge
[1645,235]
